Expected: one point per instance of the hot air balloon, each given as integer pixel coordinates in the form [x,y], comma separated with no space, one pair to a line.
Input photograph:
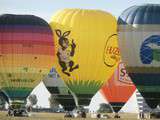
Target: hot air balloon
[59,90]
[86,50]
[26,55]
[139,41]
[118,89]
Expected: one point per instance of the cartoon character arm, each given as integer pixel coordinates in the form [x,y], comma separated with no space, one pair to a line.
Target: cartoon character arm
[73,46]
[58,55]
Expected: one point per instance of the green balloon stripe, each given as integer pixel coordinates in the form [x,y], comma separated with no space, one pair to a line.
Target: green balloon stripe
[143,69]
[85,87]
[148,88]
[17,93]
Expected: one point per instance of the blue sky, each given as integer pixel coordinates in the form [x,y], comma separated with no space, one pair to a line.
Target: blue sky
[46,8]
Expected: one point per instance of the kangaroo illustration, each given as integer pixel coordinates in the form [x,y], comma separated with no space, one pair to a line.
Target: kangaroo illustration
[65,52]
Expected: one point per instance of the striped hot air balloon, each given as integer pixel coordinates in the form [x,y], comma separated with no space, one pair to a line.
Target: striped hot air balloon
[139,40]
[26,55]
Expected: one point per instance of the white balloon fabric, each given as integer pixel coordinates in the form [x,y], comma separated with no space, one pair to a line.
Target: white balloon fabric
[139,42]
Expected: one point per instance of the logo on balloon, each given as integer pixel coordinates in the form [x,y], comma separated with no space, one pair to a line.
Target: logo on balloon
[150,49]
[65,52]
[111,52]
[122,74]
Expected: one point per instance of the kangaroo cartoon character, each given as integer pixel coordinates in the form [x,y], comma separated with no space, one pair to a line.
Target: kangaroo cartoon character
[66,52]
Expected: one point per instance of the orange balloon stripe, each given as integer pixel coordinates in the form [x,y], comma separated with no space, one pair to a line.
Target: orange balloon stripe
[26,49]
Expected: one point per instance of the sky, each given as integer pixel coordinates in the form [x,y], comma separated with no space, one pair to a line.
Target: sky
[46,8]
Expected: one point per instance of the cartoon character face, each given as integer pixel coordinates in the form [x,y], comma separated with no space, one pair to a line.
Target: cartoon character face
[65,43]
[63,40]
[150,49]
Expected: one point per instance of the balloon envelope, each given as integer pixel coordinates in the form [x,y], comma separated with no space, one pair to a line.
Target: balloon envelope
[59,90]
[139,40]
[119,88]
[26,54]
[86,50]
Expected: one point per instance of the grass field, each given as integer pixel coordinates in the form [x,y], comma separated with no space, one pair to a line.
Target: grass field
[60,116]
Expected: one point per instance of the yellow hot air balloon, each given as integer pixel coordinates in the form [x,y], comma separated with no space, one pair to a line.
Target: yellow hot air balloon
[86,50]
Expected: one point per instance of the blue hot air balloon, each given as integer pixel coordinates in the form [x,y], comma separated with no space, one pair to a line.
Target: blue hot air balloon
[139,41]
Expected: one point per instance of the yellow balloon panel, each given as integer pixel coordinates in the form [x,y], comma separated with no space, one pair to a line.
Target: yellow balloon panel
[28,60]
[82,38]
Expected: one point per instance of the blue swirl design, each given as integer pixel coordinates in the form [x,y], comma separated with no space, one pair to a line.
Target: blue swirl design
[146,52]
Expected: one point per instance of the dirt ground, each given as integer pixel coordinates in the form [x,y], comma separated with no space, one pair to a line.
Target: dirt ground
[60,116]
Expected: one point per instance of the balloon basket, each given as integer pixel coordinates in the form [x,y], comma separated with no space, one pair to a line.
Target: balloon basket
[17,108]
